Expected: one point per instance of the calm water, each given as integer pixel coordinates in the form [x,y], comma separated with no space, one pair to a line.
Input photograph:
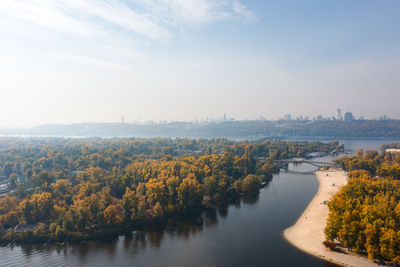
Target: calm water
[246,234]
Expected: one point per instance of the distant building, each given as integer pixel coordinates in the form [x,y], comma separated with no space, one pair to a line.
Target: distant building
[384,118]
[339,114]
[24,227]
[320,117]
[348,117]
[3,188]
[288,117]
[20,179]
[393,150]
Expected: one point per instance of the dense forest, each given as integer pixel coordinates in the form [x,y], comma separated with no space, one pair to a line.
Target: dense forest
[365,214]
[252,129]
[72,189]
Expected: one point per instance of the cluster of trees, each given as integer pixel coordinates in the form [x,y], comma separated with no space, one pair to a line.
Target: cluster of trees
[83,188]
[385,165]
[365,214]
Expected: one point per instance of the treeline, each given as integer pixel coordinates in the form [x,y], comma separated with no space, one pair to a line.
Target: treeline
[82,188]
[361,128]
[25,158]
[225,129]
[365,214]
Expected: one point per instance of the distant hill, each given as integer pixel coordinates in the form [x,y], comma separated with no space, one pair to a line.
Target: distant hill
[227,129]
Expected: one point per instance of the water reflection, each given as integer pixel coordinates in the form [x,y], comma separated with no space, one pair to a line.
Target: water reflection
[136,242]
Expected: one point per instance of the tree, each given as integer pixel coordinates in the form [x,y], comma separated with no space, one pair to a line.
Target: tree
[130,205]
[155,192]
[157,211]
[210,186]
[26,209]
[251,184]
[42,178]
[113,214]
[359,174]
[360,153]
[190,193]
[8,169]
[13,181]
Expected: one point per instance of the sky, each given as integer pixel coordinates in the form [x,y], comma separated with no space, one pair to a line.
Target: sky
[73,61]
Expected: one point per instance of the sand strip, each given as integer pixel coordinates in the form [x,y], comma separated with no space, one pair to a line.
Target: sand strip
[307,233]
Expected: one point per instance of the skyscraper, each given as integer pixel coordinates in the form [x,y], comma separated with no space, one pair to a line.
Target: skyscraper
[339,115]
[348,117]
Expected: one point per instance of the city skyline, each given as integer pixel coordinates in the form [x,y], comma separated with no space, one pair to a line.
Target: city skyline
[226,118]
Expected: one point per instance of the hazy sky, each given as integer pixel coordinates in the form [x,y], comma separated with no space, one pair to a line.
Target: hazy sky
[69,61]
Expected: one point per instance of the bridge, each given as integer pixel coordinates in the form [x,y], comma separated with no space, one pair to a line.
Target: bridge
[318,164]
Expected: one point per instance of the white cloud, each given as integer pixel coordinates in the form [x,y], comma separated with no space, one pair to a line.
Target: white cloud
[117,14]
[197,11]
[152,19]
[241,10]
[47,14]
[110,30]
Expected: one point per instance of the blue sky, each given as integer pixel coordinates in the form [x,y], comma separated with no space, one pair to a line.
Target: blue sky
[83,60]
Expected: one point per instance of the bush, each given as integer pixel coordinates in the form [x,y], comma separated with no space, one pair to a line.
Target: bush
[329,244]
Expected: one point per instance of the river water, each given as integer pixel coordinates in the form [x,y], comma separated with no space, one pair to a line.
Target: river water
[246,234]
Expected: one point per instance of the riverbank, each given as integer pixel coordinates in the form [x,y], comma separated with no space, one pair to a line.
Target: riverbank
[307,233]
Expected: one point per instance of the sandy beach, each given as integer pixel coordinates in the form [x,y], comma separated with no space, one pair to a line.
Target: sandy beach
[307,233]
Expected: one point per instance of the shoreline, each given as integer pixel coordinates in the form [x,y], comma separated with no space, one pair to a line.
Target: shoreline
[307,234]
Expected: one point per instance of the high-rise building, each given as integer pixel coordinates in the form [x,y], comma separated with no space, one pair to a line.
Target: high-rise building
[339,115]
[288,117]
[348,117]
[384,118]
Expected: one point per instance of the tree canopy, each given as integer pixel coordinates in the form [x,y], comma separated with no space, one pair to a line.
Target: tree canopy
[79,188]
[365,214]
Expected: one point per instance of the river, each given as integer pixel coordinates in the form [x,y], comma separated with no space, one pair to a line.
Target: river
[246,234]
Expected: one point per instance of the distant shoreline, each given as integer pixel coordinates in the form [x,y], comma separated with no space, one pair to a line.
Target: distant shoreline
[307,234]
[236,130]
